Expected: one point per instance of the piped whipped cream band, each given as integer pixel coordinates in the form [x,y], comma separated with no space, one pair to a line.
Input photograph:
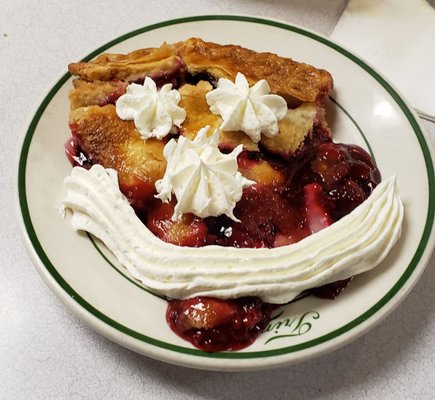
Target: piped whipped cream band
[356,243]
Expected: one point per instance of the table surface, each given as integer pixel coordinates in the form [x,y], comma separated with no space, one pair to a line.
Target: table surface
[47,352]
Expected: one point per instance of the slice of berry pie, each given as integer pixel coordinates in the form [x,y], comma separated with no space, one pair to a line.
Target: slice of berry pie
[210,172]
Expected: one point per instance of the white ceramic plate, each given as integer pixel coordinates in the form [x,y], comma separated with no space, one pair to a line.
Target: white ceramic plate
[364,110]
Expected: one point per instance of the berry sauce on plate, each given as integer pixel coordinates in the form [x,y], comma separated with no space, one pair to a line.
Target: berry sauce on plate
[291,200]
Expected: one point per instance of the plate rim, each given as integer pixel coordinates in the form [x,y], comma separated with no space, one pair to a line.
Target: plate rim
[85,310]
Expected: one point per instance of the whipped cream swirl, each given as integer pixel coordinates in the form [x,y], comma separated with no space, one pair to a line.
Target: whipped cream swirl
[154,112]
[251,110]
[354,244]
[205,181]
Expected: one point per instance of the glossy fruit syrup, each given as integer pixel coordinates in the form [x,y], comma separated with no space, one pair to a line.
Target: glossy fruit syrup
[216,325]
[290,201]
[314,190]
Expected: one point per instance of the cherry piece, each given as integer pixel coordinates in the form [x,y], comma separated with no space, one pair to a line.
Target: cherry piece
[75,155]
[217,325]
[332,290]
[317,216]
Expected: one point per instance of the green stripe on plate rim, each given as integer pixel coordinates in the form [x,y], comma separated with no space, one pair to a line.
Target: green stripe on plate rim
[369,148]
[235,355]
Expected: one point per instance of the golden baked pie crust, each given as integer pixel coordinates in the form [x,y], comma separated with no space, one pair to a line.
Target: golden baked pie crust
[115,143]
[296,82]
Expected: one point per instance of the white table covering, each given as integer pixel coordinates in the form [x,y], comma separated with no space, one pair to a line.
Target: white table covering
[46,352]
[394,36]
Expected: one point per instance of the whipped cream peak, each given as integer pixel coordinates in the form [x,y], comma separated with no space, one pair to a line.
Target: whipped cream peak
[205,181]
[154,112]
[252,110]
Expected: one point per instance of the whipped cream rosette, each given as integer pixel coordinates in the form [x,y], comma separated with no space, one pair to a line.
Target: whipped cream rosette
[154,112]
[205,181]
[252,110]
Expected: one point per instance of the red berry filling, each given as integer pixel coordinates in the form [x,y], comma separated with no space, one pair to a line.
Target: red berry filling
[189,231]
[322,186]
[75,155]
[332,290]
[217,325]
[289,202]
[315,203]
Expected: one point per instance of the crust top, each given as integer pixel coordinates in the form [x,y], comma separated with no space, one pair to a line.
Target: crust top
[296,82]
[288,78]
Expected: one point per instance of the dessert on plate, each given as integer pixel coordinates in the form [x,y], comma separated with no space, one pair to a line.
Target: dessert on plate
[210,172]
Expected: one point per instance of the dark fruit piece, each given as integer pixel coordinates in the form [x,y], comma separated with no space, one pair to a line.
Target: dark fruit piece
[332,290]
[330,164]
[138,191]
[345,198]
[264,213]
[217,325]
[317,216]
[75,155]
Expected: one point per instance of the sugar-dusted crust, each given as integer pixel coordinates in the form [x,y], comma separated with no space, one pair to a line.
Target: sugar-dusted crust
[96,93]
[296,82]
[297,126]
[117,144]
[129,67]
